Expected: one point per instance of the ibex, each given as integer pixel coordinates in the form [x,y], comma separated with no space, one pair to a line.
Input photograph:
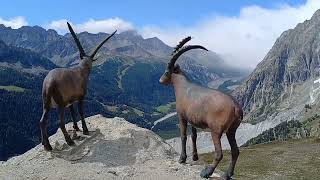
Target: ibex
[64,86]
[203,108]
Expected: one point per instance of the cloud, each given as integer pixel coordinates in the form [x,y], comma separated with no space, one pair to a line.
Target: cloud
[15,22]
[243,40]
[92,25]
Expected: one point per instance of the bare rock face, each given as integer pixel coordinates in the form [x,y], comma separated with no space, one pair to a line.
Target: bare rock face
[115,149]
[291,63]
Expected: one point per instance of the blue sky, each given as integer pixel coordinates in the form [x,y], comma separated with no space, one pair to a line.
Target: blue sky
[140,12]
[241,31]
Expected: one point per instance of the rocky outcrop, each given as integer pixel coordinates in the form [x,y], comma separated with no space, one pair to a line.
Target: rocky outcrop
[115,149]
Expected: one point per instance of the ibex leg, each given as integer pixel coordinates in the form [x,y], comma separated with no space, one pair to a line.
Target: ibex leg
[234,154]
[207,172]
[74,118]
[183,134]
[194,144]
[83,122]
[69,141]
[43,128]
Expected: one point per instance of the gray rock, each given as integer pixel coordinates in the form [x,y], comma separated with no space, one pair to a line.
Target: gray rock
[115,149]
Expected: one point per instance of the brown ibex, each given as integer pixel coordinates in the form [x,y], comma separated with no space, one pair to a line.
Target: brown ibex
[64,86]
[203,108]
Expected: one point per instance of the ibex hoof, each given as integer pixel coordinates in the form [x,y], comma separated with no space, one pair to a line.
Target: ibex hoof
[76,128]
[70,142]
[182,159]
[227,177]
[195,157]
[85,132]
[47,147]
[207,172]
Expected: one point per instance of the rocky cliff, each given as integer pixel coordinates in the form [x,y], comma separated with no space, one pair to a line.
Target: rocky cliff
[284,77]
[115,149]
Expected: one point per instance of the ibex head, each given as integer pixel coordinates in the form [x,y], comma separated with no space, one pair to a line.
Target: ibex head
[178,51]
[85,59]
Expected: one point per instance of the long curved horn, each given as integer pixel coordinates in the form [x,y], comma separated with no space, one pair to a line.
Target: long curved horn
[181,51]
[99,46]
[82,53]
[181,43]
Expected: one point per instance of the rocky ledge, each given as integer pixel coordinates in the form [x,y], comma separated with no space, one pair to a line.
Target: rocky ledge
[115,149]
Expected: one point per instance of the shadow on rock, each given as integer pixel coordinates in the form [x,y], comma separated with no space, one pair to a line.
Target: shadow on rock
[95,147]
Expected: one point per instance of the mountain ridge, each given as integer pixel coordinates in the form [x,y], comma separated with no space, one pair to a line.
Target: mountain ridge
[62,50]
[23,60]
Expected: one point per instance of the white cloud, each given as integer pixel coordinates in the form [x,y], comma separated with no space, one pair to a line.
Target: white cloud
[92,26]
[244,39]
[15,22]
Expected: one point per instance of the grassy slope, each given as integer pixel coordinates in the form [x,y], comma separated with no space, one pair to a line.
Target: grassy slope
[165,108]
[13,88]
[293,159]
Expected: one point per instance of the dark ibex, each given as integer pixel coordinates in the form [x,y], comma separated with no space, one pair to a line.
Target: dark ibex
[64,86]
[203,108]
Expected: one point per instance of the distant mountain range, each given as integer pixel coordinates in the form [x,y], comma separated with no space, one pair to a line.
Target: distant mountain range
[62,50]
[124,81]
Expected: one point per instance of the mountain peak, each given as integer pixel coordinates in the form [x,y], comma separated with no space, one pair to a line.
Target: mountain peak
[32,28]
[155,39]
[2,26]
[130,33]
[316,15]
